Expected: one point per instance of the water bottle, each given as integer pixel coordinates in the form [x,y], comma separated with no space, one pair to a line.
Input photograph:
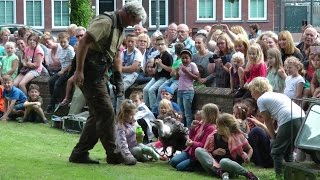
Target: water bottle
[139,134]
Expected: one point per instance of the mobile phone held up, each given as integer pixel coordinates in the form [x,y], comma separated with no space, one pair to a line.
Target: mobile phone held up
[214,57]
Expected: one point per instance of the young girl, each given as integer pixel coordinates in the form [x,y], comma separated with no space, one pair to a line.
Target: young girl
[187,72]
[199,131]
[10,62]
[256,65]
[315,82]
[226,150]
[126,136]
[276,74]
[259,140]
[295,81]
[240,112]
[237,73]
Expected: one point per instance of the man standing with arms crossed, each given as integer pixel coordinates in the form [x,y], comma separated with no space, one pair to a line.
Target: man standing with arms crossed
[97,52]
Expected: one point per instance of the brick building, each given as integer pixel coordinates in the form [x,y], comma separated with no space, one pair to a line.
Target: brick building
[53,15]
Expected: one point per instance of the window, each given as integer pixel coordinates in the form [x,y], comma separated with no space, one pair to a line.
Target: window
[7,9]
[206,9]
[34,14]
[232,10]
[61,11]
[163,7]
[258,10]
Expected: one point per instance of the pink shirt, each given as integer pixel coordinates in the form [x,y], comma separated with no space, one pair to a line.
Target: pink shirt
[186,81]
[38,51]
[257,70]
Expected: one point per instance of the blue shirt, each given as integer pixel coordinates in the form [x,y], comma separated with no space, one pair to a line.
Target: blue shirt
[72,40]
[15,94]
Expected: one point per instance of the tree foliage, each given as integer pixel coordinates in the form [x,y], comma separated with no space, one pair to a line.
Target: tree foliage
[81,12]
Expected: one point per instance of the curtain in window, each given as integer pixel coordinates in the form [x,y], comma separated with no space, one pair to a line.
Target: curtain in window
[34,13]
[205,9]
[257,9]
[231,10]
[6,9]
[61,13]
[162,7]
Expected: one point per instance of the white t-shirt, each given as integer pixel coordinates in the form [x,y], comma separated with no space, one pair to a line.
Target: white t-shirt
[291,85]
[280,107]
[137,57]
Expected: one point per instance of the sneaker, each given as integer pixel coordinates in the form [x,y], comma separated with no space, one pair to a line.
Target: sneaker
[225,176]
[20,120]
[251,176]
[45,121]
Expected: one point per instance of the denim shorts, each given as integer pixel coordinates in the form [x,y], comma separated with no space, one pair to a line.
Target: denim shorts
[19,107]
[35,73]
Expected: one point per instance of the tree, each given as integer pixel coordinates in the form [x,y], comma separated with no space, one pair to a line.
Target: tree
[81,12]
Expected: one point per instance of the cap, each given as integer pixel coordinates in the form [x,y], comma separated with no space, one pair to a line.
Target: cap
[168,89]
[186,51]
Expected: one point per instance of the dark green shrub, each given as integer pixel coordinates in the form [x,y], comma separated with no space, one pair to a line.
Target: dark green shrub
[81,12]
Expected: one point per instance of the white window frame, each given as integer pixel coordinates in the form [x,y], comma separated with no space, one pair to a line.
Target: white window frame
[232,19]
[214,5]
[52,15]
[166,12]
[42,14]
[265,11]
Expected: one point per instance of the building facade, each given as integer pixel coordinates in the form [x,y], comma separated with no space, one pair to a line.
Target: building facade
[53,15]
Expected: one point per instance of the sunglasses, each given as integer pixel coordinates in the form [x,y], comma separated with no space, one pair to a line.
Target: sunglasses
[78,36]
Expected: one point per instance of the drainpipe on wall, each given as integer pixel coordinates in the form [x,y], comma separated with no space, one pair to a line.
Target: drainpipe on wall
[279,14]
[158,15]
[185,12]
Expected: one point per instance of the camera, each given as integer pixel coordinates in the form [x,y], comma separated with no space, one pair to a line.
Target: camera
[214,57]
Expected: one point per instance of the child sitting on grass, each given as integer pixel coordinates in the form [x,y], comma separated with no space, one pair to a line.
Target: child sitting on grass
[144,116]
[15,99]
[33,111]
[131,150]
[226,150]
[199,131]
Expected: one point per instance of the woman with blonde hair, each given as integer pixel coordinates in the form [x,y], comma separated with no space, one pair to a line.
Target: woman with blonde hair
[289,115]
[287,46]
[221,61]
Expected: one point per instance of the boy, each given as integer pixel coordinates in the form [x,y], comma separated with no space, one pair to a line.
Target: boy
[15,98]
[56,83]
[167,93]
[173,81]
[33,111]
[143,116]
[163,63]
[131,64]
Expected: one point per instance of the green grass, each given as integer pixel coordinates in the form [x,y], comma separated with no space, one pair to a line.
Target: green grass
[37,151]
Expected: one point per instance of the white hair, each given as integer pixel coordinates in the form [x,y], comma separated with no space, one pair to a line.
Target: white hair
[136,9]
[10,44]
[238,55]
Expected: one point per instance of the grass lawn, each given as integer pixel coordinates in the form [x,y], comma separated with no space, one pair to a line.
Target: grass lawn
[37,151]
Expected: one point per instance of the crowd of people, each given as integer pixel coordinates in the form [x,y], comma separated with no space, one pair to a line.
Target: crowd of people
[265,71]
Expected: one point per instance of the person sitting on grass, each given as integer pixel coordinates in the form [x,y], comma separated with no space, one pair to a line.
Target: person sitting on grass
[143,116]
[33,111]
[166,93]
[15,98]
[226,150]
[126,138]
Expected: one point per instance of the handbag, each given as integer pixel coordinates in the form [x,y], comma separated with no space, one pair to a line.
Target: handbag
[24,70]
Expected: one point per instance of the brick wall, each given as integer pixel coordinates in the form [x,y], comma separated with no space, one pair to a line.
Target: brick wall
[218,96]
